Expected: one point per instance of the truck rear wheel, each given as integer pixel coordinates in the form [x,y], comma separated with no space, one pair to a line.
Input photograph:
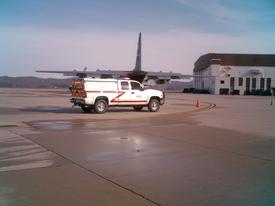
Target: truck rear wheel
[138,108]
[100,106]
[87,109]
[154,105]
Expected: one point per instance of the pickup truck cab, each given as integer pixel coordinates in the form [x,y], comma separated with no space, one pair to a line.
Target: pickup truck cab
[99,94]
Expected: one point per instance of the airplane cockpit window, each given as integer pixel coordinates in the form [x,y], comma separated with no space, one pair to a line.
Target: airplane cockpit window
[136,86]
[124,85]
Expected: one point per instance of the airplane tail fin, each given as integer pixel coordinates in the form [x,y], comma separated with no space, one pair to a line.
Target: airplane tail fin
[138,58]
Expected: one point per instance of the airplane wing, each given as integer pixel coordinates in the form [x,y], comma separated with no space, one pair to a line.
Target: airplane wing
[85,73]
[158,77]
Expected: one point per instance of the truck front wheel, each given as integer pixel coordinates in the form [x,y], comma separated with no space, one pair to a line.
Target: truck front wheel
[154,105]
[100,106]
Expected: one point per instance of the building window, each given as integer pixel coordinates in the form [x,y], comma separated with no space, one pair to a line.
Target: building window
[253,83]
[262,84]
[222,81]
[240,81]
[232,82]
[247,85]
[268,83]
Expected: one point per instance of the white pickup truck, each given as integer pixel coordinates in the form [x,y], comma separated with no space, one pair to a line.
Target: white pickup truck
[99,94]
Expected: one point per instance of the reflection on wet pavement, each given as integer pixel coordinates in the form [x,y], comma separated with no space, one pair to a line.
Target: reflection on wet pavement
[50,109]
[54,125]
[95,125]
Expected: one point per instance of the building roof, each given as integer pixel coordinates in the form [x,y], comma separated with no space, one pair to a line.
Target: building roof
[206,60]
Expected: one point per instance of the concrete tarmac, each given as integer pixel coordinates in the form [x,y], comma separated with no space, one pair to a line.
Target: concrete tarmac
[221,153]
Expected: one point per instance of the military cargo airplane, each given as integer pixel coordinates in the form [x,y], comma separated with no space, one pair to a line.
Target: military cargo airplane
[136,74]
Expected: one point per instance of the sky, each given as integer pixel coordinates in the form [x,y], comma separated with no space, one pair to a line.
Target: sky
[103,34]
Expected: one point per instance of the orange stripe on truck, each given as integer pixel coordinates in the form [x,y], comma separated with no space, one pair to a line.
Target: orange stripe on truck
[124,101]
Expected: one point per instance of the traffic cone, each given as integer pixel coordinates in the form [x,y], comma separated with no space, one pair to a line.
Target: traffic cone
[198,104]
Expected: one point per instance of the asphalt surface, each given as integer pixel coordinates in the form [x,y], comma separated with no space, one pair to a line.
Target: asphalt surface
[222,153]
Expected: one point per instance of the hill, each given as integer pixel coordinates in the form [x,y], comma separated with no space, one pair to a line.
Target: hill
[33,82]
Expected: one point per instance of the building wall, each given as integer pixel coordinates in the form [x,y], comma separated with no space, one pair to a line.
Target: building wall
[205,82]
[224,74]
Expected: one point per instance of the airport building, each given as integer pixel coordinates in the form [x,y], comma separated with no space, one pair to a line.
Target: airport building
[235,73]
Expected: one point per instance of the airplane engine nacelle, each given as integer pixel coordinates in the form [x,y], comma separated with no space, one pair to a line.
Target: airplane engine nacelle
[161,81]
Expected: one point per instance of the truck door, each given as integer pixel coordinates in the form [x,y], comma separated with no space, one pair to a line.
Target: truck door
[124,97]
[130,93]
[137,94]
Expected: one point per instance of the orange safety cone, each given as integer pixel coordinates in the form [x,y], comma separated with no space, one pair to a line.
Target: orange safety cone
[198,104]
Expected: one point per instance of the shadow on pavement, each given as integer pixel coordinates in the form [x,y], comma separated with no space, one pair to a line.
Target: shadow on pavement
[67,110]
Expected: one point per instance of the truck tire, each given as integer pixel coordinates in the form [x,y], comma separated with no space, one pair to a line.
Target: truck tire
[154,105]
[138,108]
[100,106]
[87,109]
